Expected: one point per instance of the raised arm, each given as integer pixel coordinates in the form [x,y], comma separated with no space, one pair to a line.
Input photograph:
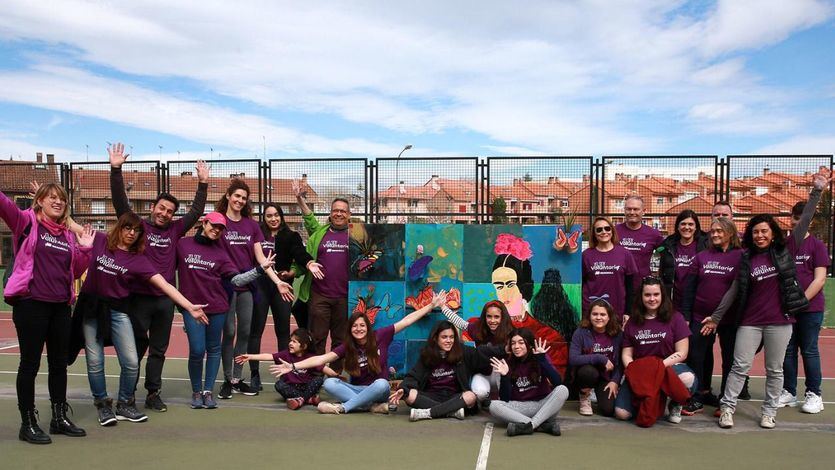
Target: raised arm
[11,214]
[819,181]
[117,155]
[199,204]
[300,198]
[437,300]
[454,318]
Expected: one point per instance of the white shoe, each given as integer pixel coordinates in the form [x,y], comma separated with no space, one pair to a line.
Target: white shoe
[787,399]
[459,414]
[726,419]
[418,414]
[593,397]
[675,413]
[767,422]
[813,404]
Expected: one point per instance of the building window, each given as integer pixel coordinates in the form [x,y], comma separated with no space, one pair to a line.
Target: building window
[659,200]
[99,225]
[526,207]
[97,207]
[619,204]
[23,202]
[564,203]
[462,209]
[413,203]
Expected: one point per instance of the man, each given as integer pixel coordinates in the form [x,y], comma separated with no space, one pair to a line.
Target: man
[722,209]
[153,310]
[641,240]
[326,291]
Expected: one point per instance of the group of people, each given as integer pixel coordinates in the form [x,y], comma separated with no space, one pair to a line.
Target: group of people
[642,337]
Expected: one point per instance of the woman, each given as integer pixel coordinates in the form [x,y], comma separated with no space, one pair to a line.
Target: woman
[532,393]
[492,327]
[608,269]
[288,248]
[202,268]
[242,240]
[438,384]
[595,353]
[366,361]
[768,296]
[117,263]
[677,253]
[706,298]
[41,288]
[654,330]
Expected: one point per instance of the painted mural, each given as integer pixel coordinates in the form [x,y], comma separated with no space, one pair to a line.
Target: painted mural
[534,270]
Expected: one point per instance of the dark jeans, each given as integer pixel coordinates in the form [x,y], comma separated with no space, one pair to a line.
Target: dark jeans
[727,342]
[589,376]
[805,337]
[38,323]
[304,391]
[328,316]
[270,300]
[151,319]
[700,355]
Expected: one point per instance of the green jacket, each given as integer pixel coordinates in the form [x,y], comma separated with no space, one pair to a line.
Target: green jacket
[316,232]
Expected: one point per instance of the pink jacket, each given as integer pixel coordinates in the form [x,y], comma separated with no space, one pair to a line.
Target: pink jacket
[17,220]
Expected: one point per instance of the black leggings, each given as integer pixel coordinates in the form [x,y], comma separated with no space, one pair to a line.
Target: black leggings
[269,299]
[37,323]
[304,391]
[439,404]
[700,356]
[589,376]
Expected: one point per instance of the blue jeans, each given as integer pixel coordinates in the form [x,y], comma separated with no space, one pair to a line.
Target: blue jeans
[203,341]
[357,397]
[804,336]
[624,398]
[121,332]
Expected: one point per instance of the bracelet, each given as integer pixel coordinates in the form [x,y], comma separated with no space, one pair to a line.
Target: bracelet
[294,366]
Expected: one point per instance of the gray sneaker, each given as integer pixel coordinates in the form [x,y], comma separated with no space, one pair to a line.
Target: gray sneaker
[104,408]
[209,401]
[126,411]
[196,401]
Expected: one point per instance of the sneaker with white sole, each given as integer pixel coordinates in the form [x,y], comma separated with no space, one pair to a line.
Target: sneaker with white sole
[813,404]
[196,401]
[674,415]
[767,422]
[726,419]
[126,411]
[787,399]
[459,414]
[104,408]
[593,396]
[379,408]
[417,414]
[329,408]
[209,400]
[585,404]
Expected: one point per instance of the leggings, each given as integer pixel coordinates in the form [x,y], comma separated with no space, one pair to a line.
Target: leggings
[589,376]
[270,300]
[240,309]
[700,355]
[304,391]
[534,412]
[439,404]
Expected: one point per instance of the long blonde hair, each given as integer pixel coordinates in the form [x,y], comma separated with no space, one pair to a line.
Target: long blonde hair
[44,191]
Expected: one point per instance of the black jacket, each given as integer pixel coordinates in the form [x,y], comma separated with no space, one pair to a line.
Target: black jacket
[473,362]
[668,250]
[288,249]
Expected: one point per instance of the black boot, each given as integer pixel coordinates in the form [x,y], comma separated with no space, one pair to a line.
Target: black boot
[61,424]
[29,429]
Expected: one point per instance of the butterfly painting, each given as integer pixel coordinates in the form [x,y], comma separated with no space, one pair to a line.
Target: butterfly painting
[369,254]
[424,298]
[366,305]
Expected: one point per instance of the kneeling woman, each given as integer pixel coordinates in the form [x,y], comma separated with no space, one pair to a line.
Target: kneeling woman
[118,263]
[654,330]
[366,361]
[438,386]
[595,352]
[202,266]
[531,392]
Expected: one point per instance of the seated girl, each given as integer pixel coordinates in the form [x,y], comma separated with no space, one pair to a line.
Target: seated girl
[595,353]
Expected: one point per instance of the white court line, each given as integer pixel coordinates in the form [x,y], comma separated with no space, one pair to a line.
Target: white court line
[9,347]
[110,376]
[481,463]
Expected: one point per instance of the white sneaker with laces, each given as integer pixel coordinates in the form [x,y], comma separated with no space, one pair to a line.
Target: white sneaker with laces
[417,414]
[813,404]
[674,415]
[726,419]
[787,399]
[767,422]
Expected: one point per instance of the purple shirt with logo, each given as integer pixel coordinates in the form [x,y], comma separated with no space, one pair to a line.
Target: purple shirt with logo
[384,337]
[114,274]
[200,269]
[765,306]
[442,379]
[684,259]
[333,256]
[641,243]
[655,338]
[811,254]
[238,240]
[716,272]
[298,376]
[523,387]
[160,248]
[52,260]
[604,274]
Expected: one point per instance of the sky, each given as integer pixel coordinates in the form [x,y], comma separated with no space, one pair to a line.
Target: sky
[208,79]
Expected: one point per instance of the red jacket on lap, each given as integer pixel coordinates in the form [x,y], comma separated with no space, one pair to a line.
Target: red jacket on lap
[651,383]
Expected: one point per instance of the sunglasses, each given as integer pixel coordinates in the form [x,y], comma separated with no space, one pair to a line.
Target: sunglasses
[604,228]
[651,280]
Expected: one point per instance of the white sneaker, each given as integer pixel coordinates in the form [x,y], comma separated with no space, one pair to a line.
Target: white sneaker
[675,413]
[459,414]
[767,422]
[418,414]
[813,404]
[593,396]
[726,419]
[787,399]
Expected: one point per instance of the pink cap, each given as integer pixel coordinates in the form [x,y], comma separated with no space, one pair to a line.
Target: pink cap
[215,218]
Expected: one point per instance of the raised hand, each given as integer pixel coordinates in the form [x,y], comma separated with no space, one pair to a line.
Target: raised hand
[500,366]
[539,346]
[202,171]
[822,178]
[116,152]
[34,186]
[269,261]
[297,189]
[87,236]
[439,299]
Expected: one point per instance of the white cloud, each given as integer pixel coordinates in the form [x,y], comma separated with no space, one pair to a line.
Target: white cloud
[801,145]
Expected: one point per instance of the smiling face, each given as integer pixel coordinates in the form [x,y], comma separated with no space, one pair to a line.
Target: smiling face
[763,235]
[721,210]
[687,228]
[493,318]
[603,232]
[507,291]
[599,318]
[52,205]
[237,200]
[446,340]
[359,330]
[272,218]
[651,296]
[633,209]
[212,231]
[340,214]
[719,237]
[162,212]
[518,346]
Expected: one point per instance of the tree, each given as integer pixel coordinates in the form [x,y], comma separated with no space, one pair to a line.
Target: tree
[499,211]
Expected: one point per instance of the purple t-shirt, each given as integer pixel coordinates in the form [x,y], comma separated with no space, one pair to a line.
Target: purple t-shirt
[442,379]
[268,245]
[115,274]
[655,338]
[333,256]
[160,248]
[603,344]
[716,272]
[298,376]
[384,337]
[238,240]
[641,243]
[53,257]
[604,274]
[811,254]
[764,306]
[524,388]
[200,269]
[684,259]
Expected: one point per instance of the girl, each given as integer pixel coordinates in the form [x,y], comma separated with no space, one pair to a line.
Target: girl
[595,352]
[301,386]
[41,288]
[531,391]
[438,384]
[242,240]
[490,328]
[706,298]
[366,360]
[608,269]
[677,254]
[768,296]
[288,248]
[202,268]
[654,329]
[117,263]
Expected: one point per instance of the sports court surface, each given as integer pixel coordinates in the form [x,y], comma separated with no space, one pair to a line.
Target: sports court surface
[259,432]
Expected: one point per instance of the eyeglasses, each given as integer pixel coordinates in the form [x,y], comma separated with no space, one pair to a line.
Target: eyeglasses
[136,230]
[604,228]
